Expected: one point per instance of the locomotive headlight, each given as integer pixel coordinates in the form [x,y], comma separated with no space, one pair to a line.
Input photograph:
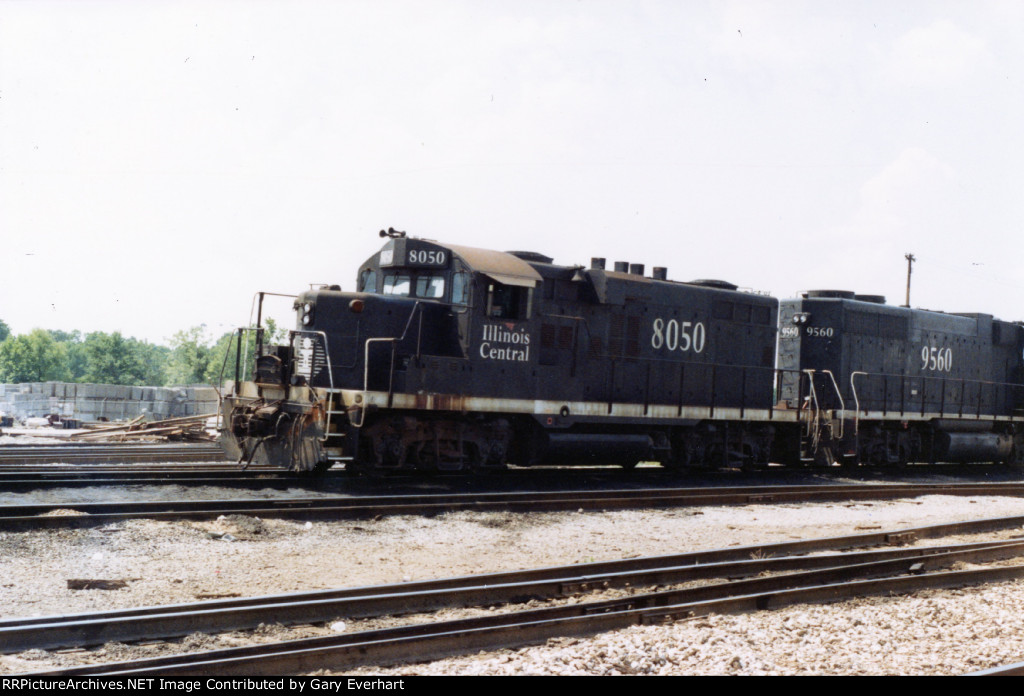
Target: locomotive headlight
[801,317]
[307,314]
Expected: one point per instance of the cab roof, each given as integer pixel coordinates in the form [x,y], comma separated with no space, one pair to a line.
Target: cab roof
[499,265]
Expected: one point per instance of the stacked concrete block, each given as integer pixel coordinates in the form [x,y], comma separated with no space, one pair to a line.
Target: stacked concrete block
[36,399]
[200,399]
[92,402]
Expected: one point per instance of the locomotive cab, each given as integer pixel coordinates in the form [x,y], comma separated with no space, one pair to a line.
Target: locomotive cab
[408,329]
[467,280]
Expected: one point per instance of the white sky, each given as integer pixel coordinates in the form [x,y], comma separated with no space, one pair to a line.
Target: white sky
[160,162]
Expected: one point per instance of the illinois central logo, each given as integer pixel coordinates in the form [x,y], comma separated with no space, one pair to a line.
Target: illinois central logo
[505,342]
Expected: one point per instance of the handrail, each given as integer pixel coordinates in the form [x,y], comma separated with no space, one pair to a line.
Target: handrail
[391,371]
[955,409]
[842,402]
[236,336]
[392,339]
[856,402]
[258,307]
[224,364]
[814,427]
[816,415]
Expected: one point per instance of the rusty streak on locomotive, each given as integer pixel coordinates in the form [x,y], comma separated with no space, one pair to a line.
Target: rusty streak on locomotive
[452,358]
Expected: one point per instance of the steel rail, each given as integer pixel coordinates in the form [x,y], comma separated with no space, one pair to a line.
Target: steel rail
[440,639]
[87,469]
[107,452]
[512,587]
[134,472]
[99,444]
[1013,670]
[192,477]
[350,507]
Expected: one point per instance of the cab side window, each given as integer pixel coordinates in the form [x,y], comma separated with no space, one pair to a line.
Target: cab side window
[508,301]
[460,289]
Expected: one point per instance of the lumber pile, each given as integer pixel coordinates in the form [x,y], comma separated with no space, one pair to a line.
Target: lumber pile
[186,429]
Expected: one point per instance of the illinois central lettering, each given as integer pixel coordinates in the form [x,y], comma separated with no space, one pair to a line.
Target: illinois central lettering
[505,342]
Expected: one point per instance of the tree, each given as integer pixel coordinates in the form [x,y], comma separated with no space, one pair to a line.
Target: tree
[155,359]
[65,336]
[189,356]
[76,358]
[33,357]
[5,331]
[221,364]
[114,359]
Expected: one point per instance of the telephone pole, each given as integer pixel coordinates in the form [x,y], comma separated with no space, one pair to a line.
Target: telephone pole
[910,262]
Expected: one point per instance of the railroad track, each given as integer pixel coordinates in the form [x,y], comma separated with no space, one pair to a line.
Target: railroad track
[361,507]
[81,475]
[796,578]
[91,452]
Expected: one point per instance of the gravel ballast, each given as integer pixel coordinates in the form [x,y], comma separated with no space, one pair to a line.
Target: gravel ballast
[933,632]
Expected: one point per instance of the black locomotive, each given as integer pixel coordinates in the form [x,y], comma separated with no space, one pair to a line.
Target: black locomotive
[888,385]
[456,358]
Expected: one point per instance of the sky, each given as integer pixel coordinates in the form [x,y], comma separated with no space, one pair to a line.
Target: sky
[161,162]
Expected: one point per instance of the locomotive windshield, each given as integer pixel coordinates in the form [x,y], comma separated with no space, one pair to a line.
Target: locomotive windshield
[397,284]
[409,283]
[431,287]
[427,286]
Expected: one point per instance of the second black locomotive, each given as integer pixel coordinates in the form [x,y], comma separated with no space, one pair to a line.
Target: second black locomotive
[899,384]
